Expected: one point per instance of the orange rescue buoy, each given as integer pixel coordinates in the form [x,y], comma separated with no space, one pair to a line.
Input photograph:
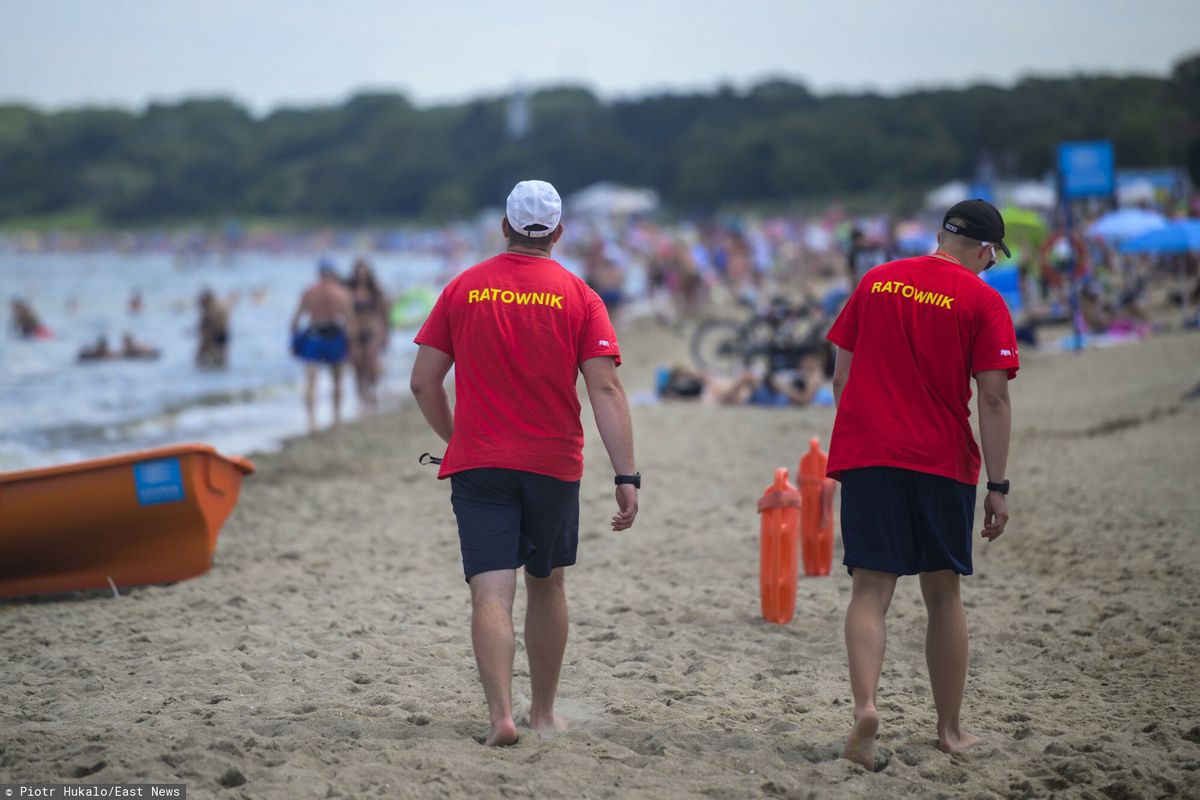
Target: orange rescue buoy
[779,508]
[816,511]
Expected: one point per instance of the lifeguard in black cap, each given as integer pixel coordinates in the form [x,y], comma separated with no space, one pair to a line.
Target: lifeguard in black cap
[909,340]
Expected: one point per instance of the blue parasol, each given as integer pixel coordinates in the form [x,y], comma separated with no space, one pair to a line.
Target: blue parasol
[1180,236]
[1125,223]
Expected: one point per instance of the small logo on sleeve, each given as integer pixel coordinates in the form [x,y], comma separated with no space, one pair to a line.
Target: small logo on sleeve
[605,343]
[1004,351]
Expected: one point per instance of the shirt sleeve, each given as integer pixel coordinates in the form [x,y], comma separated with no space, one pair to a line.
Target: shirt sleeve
[598,337]
[436,330]
[995,345]
[844,332]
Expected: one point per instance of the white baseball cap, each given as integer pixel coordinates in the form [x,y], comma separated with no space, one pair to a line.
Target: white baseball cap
[534,209]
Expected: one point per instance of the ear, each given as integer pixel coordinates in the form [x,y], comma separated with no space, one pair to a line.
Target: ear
[505,228]
[557,234]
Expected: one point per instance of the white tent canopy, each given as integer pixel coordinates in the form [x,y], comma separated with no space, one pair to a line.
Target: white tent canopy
[1031,194]
[947,195]
[1135,193]
[612,200]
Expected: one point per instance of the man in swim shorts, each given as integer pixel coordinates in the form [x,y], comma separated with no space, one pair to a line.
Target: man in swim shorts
[328,338]
[519,329]
[909,339]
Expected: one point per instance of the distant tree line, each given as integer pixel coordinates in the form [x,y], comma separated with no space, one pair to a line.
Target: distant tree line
[379,156]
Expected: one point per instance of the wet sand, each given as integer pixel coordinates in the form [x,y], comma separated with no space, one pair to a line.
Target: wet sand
[327,653]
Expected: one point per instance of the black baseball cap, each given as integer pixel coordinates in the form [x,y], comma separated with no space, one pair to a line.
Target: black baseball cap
[983,222]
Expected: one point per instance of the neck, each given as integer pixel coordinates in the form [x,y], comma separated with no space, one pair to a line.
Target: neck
[975,268]
[527,251]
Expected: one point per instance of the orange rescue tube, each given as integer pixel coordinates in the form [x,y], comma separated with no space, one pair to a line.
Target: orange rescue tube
[816,515]
[150,516]
[779,508]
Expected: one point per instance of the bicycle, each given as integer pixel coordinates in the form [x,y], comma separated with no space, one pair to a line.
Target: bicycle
[777,335]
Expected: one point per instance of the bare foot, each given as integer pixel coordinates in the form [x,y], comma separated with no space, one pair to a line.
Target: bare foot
[860,744]
[553,725]
[953,742]
[502,734]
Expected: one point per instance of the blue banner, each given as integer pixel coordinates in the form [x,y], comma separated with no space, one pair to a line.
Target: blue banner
[1086,169]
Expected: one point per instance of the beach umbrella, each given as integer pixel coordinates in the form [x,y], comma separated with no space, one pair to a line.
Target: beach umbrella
[1125,223]
[1024,223]
[1179,236]
[1023,218]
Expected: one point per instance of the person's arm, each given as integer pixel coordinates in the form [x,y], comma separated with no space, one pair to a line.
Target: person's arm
[427,384]
[385,311]
[348,313]
[841,374]
[300,307]
[995,425]
[611,409]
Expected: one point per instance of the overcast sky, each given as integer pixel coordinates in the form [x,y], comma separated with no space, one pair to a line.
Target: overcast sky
[267,53]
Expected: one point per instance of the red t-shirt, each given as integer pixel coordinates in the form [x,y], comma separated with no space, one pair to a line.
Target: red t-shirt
[919,329]
[518,327]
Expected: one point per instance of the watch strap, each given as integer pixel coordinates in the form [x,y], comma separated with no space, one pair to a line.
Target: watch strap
[1001,487]
[634,480]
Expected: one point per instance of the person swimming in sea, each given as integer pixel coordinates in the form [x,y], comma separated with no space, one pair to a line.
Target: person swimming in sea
[99,351]
[132,349]
[26,322]
[213,351]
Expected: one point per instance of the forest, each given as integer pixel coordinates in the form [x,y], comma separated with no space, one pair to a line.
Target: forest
[379,156]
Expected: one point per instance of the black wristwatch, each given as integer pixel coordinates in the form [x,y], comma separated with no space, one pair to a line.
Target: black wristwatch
[635,480]
[1001,487]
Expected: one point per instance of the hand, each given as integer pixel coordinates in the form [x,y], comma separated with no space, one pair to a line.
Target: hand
[627,503]
[995,515]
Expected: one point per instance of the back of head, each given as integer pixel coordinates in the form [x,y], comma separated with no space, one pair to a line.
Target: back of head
[534,212]
[970,222]
[326,268]
[362,275]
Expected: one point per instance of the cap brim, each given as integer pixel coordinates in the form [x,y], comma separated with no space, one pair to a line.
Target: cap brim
[1004,247]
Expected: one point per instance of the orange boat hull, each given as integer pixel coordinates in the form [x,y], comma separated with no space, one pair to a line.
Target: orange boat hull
[151,516]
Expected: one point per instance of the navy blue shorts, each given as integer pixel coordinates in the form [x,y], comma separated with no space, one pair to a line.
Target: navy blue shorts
[509,519]
[906,522]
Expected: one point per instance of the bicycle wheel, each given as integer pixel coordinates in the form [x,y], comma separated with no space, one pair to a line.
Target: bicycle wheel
[717,346]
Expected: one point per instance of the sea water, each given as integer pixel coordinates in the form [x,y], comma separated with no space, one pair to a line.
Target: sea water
[55,409]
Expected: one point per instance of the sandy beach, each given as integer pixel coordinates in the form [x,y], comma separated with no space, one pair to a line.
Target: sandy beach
[327,653]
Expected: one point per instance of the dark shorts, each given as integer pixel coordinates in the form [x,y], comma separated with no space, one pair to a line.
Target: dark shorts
[508,519]
[324,345]
[906,522]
